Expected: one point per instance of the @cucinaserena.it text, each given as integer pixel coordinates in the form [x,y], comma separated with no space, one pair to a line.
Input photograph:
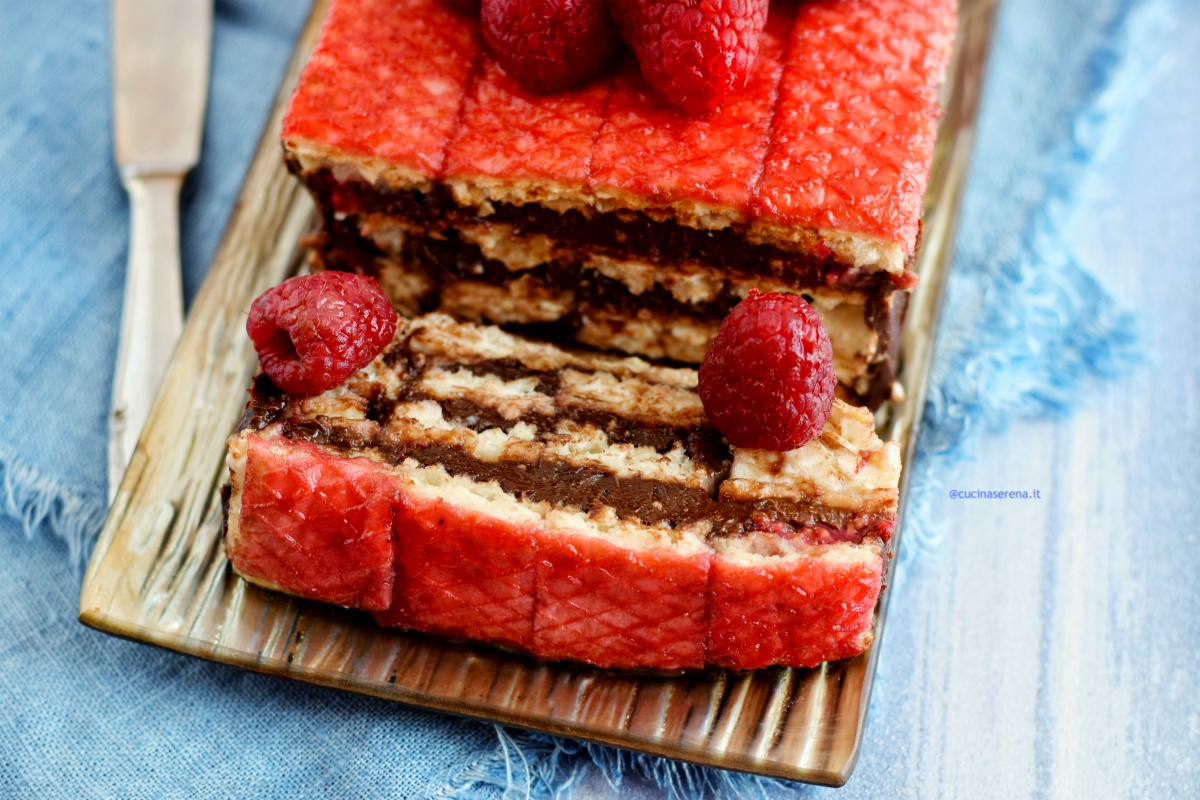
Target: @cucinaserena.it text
[995,494]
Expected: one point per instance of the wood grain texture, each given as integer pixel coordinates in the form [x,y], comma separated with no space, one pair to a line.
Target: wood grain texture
[158,573]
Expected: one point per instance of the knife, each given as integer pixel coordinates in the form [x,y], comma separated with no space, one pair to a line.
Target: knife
[160,84]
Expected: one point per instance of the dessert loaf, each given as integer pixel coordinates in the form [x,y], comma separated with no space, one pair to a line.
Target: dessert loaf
[605,213]
[479,485]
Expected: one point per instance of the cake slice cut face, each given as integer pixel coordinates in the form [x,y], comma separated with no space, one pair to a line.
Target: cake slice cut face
[478,485]
[609,214]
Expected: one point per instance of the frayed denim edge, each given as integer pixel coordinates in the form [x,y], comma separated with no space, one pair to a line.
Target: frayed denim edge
[42,503]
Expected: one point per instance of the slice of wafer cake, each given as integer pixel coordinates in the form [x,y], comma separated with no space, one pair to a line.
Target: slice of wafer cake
[478,485]
[609,213]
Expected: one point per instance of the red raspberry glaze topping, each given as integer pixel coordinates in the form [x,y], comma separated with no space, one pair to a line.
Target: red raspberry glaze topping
[696,52]
[549,45]
[767,381]
[314,331]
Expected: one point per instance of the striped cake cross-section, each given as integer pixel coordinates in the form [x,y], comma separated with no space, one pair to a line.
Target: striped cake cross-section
[479,485]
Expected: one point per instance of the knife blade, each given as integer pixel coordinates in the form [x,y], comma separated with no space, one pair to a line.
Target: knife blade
[161,51]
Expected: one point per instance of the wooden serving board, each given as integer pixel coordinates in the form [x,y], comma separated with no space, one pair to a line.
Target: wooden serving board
[158,573]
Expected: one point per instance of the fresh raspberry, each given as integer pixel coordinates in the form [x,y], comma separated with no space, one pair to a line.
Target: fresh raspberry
[767,381]
[696,52]
[314,331]
[549,45]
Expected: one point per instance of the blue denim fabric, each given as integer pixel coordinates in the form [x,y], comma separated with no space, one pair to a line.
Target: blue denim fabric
[64,231]
[85,715]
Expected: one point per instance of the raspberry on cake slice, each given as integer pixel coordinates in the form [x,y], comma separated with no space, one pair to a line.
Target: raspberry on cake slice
[479,485]
[608,211]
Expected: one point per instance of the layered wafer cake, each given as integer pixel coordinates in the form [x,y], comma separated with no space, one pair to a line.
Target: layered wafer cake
[479,485]
[604,213]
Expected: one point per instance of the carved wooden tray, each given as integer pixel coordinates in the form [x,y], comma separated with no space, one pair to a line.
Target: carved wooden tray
[158,573]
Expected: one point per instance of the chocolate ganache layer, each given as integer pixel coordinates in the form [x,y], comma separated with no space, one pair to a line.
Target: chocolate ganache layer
[442,264]
[588,487]
[620,234]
